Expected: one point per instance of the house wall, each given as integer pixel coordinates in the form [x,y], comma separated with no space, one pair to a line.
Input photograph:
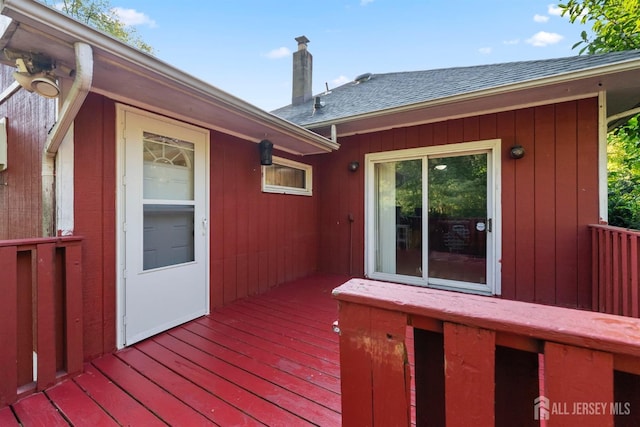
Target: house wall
[258,240]
[29,118]
[548,197]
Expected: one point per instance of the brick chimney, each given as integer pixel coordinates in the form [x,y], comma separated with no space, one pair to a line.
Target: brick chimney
[302,71]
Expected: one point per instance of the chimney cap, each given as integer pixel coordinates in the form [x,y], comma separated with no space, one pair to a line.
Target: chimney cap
[302,42]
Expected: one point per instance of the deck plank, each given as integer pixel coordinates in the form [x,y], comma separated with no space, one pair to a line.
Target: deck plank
[278,395]
[290,382]
[163,403]
[200,396]
[78,408]
[270,359]
[201,373]
[280,348]
[293,367]
[279,335]
[121,406]
[37,411]
[7,419]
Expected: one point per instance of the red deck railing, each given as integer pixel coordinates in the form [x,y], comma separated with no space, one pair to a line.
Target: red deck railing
[40,314]
[482,360]
[616,276]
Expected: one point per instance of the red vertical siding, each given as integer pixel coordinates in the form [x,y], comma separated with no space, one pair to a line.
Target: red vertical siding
[548,197]
[258,240]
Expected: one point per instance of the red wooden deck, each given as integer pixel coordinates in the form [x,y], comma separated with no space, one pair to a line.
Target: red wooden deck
[266,360]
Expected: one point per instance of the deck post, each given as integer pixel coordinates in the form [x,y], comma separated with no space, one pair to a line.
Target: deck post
[74,301]
[374,367]
[469,359]
[579,386]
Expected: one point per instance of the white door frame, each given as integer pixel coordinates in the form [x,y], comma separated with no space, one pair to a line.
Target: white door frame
[121,111]
[494,177]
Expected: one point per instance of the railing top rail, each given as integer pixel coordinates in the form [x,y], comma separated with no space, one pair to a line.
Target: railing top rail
[59,241]
[614,228]
[597,331]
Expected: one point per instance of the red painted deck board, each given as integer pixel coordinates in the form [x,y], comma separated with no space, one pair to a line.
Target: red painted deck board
[78,407]
[7,419]
[114,400]
[265,360]
[291,366]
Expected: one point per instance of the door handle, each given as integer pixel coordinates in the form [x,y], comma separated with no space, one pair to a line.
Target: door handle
[205,223]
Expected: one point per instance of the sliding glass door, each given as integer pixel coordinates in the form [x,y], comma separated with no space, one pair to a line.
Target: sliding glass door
[431,216]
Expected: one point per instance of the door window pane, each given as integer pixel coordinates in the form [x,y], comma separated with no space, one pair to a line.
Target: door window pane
[168,235]
[168,168]
[398,187]
[168,175]
[458,224]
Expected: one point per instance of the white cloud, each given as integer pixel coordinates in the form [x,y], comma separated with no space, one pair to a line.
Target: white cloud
[511,42]
[540,18]
[131,17]
[278,53]
[542,39]
[485,50]
[365,2]
[340,81]
[554,10]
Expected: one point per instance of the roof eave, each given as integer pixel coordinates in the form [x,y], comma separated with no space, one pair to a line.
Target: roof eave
[560,79]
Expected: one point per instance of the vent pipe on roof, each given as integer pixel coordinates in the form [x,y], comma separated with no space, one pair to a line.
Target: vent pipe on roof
[302,72]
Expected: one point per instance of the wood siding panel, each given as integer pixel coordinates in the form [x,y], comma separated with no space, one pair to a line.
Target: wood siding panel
[548,197]
[566,204]
[587,197]
[258,240]
[544,205]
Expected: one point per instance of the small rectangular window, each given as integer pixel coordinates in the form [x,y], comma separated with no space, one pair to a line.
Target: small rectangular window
[287,177]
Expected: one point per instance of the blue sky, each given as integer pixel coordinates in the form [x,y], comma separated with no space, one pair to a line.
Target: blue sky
[244,47]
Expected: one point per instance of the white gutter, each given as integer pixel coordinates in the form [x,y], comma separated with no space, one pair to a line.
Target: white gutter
[70,107]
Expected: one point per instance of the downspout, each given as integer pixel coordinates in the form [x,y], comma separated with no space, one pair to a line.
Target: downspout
[72,103]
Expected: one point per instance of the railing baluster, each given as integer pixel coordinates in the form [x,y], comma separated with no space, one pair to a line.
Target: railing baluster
[45,331]
[615,271]
[376,385]
[8,321]
[579,386]
[634,283]
[469,359]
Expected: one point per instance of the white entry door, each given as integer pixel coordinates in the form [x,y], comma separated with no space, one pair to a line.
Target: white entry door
[164,231]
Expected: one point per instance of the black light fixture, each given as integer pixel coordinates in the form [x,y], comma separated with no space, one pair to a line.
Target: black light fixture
[266,148]
[517,152]
[354,165]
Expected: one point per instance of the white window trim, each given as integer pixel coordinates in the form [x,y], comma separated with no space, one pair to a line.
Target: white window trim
[494,275]
[280,189]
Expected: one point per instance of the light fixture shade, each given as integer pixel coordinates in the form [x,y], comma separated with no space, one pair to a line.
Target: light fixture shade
[41,83]
[45,85]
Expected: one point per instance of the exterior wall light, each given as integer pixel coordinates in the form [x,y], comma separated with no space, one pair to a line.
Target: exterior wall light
[353,166]
[517,152]
[266,149]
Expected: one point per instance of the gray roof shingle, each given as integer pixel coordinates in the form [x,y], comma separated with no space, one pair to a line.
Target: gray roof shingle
[391,90]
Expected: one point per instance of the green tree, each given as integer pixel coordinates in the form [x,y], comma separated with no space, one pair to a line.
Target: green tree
[615,27]
[100,14]
[615,24]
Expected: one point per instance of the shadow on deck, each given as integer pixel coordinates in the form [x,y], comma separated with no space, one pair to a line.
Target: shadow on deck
[270,360]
